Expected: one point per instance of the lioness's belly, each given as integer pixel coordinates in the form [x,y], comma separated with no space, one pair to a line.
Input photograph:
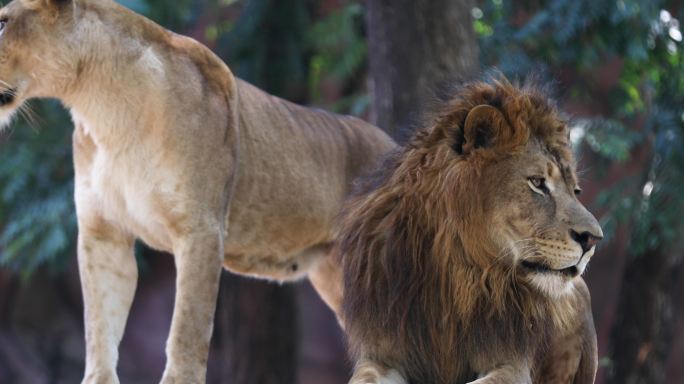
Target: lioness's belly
[274,266]
[278,229]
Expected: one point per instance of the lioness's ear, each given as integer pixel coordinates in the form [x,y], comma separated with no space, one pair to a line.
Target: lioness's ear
[484,127]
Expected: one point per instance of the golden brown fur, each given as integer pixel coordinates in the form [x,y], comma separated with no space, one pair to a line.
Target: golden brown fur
[433,248]
[172,149]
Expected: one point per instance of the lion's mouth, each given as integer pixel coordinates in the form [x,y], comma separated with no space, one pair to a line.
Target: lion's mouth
[7,97]
[543,268]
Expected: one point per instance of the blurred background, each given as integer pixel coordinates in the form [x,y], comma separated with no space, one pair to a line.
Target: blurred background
[617,67]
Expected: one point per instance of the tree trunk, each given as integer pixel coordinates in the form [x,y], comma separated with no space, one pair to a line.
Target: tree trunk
[255,339]
[415,46]
[642,333]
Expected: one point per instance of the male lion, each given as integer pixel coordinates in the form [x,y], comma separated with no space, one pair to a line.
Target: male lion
[462,257]
[168,145]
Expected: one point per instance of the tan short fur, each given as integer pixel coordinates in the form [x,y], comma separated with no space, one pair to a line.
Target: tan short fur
[171,148]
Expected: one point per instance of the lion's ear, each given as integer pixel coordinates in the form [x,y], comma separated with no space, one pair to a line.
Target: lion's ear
[485,127]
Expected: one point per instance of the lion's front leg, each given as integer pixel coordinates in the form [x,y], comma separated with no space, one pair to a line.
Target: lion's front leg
[370,372]
[518,373]
[109,275]
[198,265]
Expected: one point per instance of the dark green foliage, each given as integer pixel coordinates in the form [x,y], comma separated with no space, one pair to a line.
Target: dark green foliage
[340,54]
[267,45]
[36,190]
[278,45]
[644,40]
[172,16]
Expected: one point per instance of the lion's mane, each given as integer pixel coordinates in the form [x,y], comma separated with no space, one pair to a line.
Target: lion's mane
[423,287]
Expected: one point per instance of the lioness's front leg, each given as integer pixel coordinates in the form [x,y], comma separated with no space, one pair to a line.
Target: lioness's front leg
[108,277]
[198,264]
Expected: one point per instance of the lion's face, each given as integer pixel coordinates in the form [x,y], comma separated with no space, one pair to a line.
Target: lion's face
[34,46]
[539,219]
[530,191]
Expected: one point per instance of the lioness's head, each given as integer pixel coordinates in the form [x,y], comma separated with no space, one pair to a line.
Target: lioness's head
[514,146]
[37,51]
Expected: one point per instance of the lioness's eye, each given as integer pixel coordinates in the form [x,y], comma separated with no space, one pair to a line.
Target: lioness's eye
[578,191]
[3,23]
[538,184]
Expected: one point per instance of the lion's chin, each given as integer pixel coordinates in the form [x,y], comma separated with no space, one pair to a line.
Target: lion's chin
[551,282]
[554,285]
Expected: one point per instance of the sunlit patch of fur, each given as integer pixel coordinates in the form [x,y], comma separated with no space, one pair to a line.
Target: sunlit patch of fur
[552,284]
[392,377]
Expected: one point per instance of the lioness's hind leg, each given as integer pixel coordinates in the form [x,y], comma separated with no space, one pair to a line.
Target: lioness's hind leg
[369,372]
[109,275]
[326,278]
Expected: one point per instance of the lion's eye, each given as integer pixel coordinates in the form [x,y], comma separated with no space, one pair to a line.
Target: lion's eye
[538,184]
[578,191]
[3,23]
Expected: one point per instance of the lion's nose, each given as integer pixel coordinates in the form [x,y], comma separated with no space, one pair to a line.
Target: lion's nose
[586,239]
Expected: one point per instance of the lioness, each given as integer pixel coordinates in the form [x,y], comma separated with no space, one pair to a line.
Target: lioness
[463,256]
[171,148]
